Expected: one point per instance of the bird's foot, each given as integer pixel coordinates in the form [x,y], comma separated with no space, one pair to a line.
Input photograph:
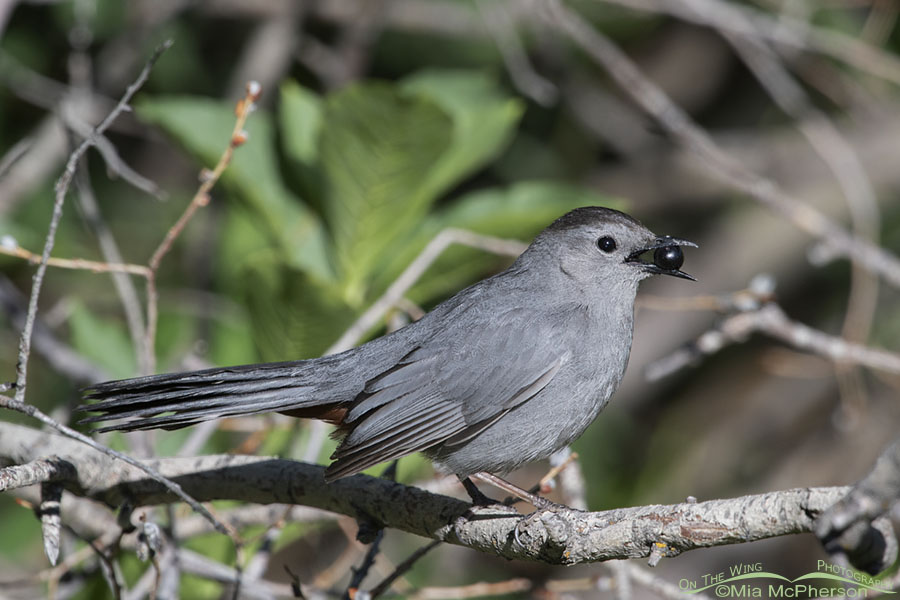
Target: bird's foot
[477,496]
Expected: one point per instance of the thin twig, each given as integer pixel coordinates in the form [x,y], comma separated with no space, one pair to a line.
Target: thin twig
[840,157]
[360,573]
[771,320]
[403,568]
[31,411]
[115,165]
[414,271]
[62,188]
[123,284]
[12,155]
[18,402]
[517,585]
[201,198]
[785,31]
[658,585]
[94,266]
[718,163]
[502,29]
[60,356]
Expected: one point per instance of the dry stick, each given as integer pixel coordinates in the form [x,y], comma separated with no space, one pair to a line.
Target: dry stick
[657,584]
[771,320]
[414,271]
[849,527]
[109,248]
[12,155]
[10,249]
[27,409]
[196,564]
[360,573]
[784,30]
[200,199]
[62,188]
[717,162]
[621,580]
[403,568]
[501,28]
[517,586]
[60,356]
[879,22]
[571,479]
[17,403]
[407,564]
[831,146]
[844,163]
[115,165]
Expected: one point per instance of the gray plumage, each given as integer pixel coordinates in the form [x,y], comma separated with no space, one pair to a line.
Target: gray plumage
[505,372]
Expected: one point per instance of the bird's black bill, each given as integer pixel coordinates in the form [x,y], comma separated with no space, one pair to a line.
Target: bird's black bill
[667,257]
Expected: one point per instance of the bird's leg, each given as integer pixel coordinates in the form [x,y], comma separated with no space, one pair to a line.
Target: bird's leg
[478,498]
[498,482]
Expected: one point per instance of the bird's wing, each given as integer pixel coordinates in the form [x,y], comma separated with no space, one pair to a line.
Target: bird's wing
[449,388]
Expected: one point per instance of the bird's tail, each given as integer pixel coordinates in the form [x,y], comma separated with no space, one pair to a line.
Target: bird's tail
[176,400]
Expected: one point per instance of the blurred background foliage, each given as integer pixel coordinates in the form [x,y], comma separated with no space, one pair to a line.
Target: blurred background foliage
[384,122]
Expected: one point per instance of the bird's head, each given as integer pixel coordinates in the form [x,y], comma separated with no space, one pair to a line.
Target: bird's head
[602,246]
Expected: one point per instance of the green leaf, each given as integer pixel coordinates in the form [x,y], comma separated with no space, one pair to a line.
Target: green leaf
[293,315]
[203,127]
[378,148]
[389,152]
[102,341]
[484,120]
[300,114]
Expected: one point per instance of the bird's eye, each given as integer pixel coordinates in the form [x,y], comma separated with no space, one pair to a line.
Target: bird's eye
[606,244]
[669,258]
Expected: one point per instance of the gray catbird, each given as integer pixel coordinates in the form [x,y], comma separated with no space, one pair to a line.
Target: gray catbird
[505,372]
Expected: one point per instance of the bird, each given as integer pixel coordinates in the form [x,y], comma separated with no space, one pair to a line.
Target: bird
[505,372]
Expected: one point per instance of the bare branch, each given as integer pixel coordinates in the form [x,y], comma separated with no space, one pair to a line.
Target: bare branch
[41,470]
[81,264]
[59,355]
[656,584]
[501,28]
[171,486]
[403,568]
[201,198]
[123,284]
[770,319]
[719,164]
[62,188]
[785,31]
[115,165]
[411,274]
[851,528]
[566,536]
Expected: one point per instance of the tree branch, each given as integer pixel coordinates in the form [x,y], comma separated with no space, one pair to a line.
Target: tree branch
[42,470]
[712,157]
[566,536]
[853,526]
